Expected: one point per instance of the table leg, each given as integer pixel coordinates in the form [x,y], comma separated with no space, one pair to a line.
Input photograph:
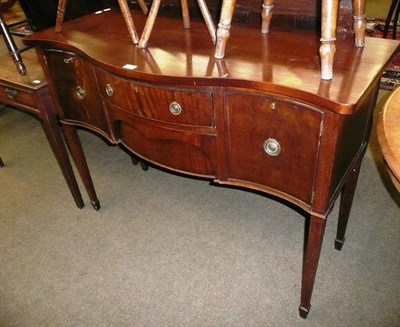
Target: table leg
[360,22]
[224,27]
[52,130]
[266,15]
[75,146]
[346,201]
[328,37]
[313,240]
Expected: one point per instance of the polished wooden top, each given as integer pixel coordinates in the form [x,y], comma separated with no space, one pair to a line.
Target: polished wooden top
[34,78]
[388,130]
[284,62]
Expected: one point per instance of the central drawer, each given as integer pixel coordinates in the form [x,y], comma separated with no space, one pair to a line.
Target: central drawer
[184,106]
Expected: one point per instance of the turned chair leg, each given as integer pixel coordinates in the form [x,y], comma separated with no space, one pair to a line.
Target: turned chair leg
[328,37]
[266,15]
[224,27]
[360,22]
[223,32]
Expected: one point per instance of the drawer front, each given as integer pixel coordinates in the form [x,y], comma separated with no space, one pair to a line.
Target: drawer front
[274,143]
[173,105]
[75,84]
[182,150]
[17,97]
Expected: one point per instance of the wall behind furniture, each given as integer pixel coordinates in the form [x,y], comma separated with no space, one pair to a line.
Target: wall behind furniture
[378,8]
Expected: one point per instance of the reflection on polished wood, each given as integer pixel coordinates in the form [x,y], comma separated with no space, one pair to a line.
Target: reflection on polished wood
[261,118]
[388,131]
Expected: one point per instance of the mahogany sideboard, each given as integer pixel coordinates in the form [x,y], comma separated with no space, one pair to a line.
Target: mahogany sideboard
[261,118]
[30,93]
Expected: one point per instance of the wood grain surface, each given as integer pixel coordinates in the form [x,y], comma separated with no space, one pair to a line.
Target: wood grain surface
[388,130]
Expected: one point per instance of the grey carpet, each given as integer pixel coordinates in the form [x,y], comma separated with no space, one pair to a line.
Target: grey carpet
[166,250]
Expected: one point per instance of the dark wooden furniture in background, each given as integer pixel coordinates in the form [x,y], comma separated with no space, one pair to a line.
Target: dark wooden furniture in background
[261,118]
[42,13]
[30,93]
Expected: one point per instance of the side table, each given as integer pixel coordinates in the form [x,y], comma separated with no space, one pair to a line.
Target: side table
[30,93]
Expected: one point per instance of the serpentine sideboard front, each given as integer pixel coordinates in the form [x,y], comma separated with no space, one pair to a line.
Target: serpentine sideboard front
[261,118]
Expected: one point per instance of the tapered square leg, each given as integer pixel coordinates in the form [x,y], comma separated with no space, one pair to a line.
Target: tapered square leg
[314,237]
[74,144]
[346,202]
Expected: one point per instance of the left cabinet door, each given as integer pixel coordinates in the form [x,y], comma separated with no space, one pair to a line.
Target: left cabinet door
[75,84]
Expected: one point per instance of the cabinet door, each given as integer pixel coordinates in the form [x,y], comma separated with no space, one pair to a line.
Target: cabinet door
[273,143]
[75,84]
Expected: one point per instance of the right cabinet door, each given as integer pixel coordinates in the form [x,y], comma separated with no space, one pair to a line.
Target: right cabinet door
[273,142]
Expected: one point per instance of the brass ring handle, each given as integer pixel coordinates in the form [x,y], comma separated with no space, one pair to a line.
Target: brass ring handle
[272,147]
[175,108]
[80,92]
[109,90]
[12,93]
